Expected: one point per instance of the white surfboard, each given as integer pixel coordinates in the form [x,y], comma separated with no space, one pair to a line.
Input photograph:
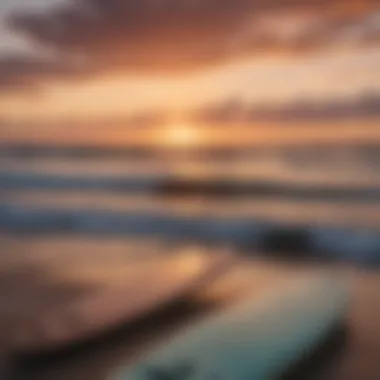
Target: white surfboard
[258,339]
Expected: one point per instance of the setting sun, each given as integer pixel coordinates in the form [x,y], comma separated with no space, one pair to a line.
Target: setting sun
[181,135]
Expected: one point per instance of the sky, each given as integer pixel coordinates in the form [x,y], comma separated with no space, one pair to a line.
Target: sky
[90,60]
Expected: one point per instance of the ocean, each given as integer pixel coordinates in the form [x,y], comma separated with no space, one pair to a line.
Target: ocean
[320,199]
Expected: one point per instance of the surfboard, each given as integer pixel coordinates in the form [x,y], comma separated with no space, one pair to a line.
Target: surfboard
[257,339]
[150,284]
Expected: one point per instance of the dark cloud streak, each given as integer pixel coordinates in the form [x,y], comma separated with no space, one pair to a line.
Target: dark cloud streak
[27,73]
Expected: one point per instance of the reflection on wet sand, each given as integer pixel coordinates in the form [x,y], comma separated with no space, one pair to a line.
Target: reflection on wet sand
[61,296]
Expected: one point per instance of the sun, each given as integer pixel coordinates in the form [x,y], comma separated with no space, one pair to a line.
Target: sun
[181,136]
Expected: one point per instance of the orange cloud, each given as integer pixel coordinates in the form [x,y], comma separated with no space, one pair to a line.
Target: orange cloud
[235,111]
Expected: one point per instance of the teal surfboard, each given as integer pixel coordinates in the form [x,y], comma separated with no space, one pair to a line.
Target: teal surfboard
[257,339]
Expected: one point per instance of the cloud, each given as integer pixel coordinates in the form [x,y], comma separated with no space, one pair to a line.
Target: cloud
[237,111]
[139,35]
[166,36]
[22,72]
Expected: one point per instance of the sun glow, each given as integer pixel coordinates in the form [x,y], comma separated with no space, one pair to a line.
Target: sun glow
[181,136]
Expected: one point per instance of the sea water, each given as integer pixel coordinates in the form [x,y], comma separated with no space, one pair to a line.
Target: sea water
[332,193]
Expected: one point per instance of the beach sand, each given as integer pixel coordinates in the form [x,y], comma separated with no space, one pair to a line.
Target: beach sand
[30,286]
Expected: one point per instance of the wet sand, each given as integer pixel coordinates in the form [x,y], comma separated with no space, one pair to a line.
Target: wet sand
[23,282]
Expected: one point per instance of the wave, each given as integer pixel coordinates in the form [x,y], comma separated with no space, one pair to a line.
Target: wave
[367,152]
[167,185]
[358,245]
